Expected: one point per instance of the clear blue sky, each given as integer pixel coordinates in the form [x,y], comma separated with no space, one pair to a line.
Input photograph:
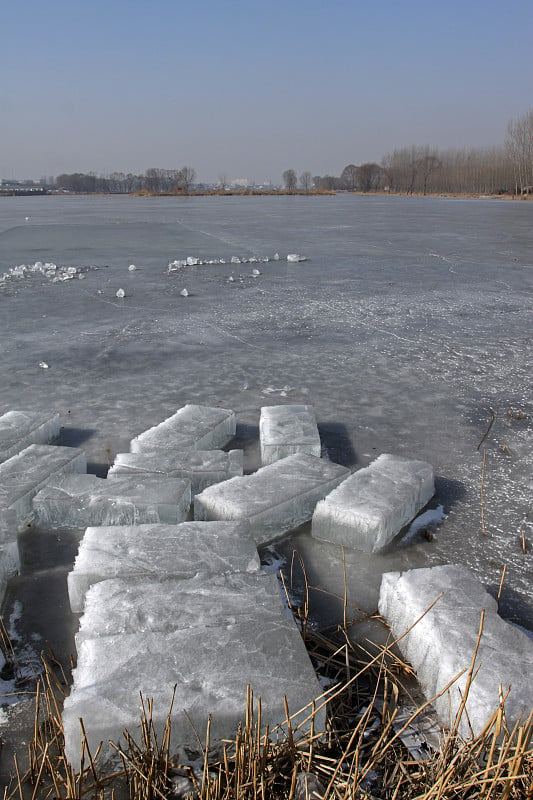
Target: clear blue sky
[250,88]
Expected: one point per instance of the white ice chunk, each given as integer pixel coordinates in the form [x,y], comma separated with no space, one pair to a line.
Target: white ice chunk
[202,467]
[276,498]
[210,674]
[372,506]
[80,500]
[284,430]
[23,475]
[442,643]
[19,429]
[120,293]
[295,257]
[159,551]
[147,605]
[193,426]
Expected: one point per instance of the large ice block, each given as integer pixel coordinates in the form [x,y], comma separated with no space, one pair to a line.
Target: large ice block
[23,475]
[284,430]
[193,426]
[202,467]
[372,506]
[276,498]
[158,551]
[117,606]
[19,429]
[442,643]
[9,550]
[79,500]
[210,670]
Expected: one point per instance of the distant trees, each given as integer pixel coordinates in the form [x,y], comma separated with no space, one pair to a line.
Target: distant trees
[290,180]
[185,178]
[306,181]
[348,177]
[519,148]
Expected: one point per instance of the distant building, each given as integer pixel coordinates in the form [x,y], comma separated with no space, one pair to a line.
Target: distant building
[240,183]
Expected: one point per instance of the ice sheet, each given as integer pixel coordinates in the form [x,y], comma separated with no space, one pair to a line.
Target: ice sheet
[276,498]
[210,672]
[160,551]
[23,475]
[441,644]
[284,430]
[19,429]
[193,426]
[80,500]
[202,467]
[372,506]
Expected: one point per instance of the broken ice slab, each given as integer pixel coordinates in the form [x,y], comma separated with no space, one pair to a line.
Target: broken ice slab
[118,606]
[210,673]
[9,550]
[76,501]
[19,429]
[442,643]
[193,426]
[202,467]
[158,551]
[372,506]
[284,430]
[276,498]
[23,475]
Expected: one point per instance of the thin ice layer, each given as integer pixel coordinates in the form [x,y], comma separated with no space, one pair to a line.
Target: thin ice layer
[442,643]
[158,551]
[276,498]
[19,429]
[370,508]
[288,429]
[80,500]
[202,467]
[205,601]
[23,475]
[193,426]
[209,672]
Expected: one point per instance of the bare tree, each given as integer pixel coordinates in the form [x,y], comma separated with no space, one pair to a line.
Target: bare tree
[222,181]
[349,177]
[519,145]
[306,181]
[369,177]
[290,180]
[186,177]
[427,163]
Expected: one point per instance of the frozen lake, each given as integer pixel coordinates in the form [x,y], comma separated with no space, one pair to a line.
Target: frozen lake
[409,321]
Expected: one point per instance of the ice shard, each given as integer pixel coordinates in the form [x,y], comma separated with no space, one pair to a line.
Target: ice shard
[287,429]
[193,426]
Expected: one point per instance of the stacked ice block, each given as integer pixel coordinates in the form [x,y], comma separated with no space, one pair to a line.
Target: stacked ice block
[202,467]
[372,506]
[276,498]
[193,426]
[19,429]
[9,551]
[80,500]
[288,429]
[442,643]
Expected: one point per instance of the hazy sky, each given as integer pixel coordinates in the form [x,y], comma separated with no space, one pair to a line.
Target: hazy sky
[249,88]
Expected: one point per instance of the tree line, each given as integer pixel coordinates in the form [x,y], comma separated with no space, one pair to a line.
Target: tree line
[153,180]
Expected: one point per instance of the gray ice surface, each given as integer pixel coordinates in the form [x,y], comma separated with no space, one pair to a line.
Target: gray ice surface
[19,429]
[193,426]
[442,643]
[202,467]
[159,551]
[23,475]
[277,498]
[79,500]
[371,507]
[288,429]
[210,670]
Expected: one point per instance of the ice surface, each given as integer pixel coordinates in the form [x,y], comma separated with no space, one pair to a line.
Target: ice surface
[193,426]
[19,429]
[284,430]
[210,671]
[442,642]
[23,475]
[116,606]
[160,551]
[276,498]
[202,467]
[80,500]
[372,506]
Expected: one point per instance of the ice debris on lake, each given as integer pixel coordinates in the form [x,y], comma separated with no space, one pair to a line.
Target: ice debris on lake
[79,500]
[442,643]
[193,261]
[276,498]
[294,258]
[120,293]
[287,429]
[132,268]
[54,272]
[193,426]
[202,467]
[373,505]
[184,293]
[19,429]
[23,475]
